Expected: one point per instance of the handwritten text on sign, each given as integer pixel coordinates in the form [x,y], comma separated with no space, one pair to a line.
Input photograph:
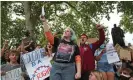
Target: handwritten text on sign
[14,74]
[39,67]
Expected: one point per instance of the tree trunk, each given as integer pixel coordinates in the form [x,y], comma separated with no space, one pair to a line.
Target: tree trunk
[0,24]
[27,10]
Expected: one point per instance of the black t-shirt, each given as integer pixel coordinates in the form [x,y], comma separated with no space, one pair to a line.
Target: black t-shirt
[65,52]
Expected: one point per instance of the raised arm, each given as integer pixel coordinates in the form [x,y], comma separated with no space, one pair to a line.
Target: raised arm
[47,31]
[97,44]
[4,48]
[22,49]
[98,57]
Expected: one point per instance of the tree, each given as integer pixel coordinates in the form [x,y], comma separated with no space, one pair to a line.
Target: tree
[126,7]
[82,16]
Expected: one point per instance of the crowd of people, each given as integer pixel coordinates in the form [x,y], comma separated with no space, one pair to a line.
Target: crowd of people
[70,61]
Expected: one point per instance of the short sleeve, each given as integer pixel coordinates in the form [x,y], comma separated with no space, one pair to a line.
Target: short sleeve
[77,52]
[56,43]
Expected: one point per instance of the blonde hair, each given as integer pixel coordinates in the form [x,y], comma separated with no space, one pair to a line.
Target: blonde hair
[98,75]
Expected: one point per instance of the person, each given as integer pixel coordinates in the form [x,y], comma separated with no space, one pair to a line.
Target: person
[29,43]
[102,63]
[5,45]
[49,49]
[125,74]
[66,55]
[87,52]
[4,53]
[96,75]
[38,46]
[117,36]
[13,56]
[5,57]
[13,64]
[131,74]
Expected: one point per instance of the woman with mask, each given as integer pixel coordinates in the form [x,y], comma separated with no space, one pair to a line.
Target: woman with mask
[102,63]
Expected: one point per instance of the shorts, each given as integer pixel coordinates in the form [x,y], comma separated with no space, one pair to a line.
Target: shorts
[104,67]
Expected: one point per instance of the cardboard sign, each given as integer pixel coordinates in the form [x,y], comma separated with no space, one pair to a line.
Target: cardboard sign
[14,74]
[125,54]
[89,41]
[38,65]
[92,40]
[118,47]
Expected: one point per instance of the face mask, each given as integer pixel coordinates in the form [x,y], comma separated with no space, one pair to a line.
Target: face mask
[125,75]
[102,46]
[124,78]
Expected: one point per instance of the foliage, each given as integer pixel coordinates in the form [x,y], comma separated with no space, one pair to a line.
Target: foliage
[126,7]
[10,29]
[82,16]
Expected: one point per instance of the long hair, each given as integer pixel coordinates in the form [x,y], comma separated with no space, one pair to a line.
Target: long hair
[98,75]
[73,37]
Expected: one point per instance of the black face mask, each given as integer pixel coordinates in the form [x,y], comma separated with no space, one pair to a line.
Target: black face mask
[124,78]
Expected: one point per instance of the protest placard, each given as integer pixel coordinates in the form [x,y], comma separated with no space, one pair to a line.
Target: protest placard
[92,40]
[89,41]
[38,66]
[125,54]
[110,47]
[118,47]
[14,74]
[112,57]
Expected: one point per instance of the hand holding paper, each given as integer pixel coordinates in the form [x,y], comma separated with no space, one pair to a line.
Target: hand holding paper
[43,13]
[42,18]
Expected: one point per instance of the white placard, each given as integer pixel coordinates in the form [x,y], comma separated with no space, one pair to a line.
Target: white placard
[38,66]
[110,47]
[14,74]
[112,57]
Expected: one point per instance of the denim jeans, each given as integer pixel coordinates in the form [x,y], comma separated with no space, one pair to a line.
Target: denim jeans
[105,67]
[62,71]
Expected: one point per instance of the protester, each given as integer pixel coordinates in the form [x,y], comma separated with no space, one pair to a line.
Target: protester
[5,58]
[131,76]
[4,53]
[66,55]
[96,75]
[5,46]
[127,63]
[49,49]
[13,56]
[38,46]
[125,74]
[29,43]
[87,52]
[102,63]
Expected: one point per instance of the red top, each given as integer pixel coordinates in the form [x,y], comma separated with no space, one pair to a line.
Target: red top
[87,53]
